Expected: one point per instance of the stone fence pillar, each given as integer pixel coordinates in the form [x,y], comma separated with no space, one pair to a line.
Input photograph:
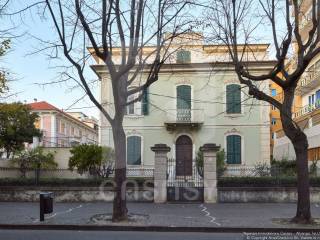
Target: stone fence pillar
[210,172]
[160,172]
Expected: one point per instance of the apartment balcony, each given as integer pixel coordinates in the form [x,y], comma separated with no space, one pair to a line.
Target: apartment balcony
[307,109]
[308,81]
[185,118]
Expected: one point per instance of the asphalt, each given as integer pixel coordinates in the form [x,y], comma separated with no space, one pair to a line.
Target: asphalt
[162,217]
[89,235]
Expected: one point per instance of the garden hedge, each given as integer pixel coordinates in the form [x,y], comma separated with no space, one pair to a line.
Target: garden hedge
[61,182]
[288,181]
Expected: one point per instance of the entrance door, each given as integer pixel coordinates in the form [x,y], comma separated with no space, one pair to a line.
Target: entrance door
[184,156]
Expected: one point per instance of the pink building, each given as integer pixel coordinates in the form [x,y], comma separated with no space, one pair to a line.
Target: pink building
[60,129]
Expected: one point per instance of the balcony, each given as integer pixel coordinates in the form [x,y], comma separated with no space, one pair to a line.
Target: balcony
[309,80]
[307,109]
[188,118]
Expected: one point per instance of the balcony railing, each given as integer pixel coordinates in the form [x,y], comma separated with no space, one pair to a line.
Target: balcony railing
[308,80]
[184,117]
[307,109]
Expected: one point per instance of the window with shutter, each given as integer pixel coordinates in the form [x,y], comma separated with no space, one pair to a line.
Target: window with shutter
[183,56]
[134,150]
[145,102]
[184,102]
[233,99]
[234,149]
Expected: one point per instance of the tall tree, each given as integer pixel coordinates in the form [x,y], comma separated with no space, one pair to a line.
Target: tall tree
[105,25]
[235,22]
[4,46]
[16,127]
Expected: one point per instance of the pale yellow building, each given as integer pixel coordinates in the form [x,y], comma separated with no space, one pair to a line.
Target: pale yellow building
[197,100]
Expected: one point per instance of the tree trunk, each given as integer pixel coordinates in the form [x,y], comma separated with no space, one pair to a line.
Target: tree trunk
[300,144]
[119,202]
[303,214]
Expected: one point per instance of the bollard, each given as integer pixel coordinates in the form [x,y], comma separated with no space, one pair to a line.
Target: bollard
[46,204]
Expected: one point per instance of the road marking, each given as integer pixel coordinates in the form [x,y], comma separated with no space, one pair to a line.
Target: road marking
[208,214]
[317,205]
[62,212]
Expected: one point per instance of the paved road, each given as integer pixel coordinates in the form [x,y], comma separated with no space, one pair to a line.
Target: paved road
[96,235]
[186,215]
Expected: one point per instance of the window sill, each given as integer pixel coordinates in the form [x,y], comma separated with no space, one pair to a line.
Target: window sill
[234,115]
[133,116]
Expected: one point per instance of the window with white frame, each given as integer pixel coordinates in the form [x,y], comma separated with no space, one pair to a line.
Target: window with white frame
[133,108]
[62,127]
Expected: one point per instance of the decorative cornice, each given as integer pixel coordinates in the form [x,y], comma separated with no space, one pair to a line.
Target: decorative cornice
[210,147]
[160,148]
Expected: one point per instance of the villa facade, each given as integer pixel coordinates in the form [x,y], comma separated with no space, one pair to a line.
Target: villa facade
[197,100]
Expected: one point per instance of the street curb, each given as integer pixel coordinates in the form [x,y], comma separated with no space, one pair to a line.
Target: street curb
[71,227]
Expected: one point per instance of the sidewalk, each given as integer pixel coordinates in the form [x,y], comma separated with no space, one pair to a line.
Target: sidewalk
[244,215]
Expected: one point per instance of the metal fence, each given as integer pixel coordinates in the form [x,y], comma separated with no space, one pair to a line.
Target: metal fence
[263,171]
[192,179]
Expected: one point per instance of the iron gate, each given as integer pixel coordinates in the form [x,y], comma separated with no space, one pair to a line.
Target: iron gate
[184,187]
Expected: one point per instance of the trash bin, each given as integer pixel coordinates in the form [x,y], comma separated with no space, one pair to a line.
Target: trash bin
[46,204]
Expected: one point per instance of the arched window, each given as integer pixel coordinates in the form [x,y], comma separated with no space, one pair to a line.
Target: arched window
[234,149]
[233,99]
[134,150]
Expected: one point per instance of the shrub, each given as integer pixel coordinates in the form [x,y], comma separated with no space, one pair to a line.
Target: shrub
[221,166]
[284,181]
[261,170]
[33,159]
[284,167]
[96,160]
[313,168]
[61,182]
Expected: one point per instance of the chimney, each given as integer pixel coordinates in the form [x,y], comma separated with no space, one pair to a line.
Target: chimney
[35,100]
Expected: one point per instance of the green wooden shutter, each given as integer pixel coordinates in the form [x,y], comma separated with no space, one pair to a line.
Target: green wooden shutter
[230,150]
[184,97]
[237,149]
[145,102]
[233,98]
[134,150]
[234,149]
[183,56]
[184,103]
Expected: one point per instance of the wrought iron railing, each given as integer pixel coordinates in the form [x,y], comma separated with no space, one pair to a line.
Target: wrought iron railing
[183,180]
[307,109]
[184,115]
[308,77]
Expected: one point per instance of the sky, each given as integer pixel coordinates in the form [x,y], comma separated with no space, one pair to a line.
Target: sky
[30,71]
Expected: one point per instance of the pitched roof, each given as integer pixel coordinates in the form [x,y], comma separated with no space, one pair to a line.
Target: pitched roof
[43,105]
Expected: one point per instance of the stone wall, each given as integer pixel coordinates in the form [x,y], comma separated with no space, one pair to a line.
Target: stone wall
[263,194]
[91,194]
